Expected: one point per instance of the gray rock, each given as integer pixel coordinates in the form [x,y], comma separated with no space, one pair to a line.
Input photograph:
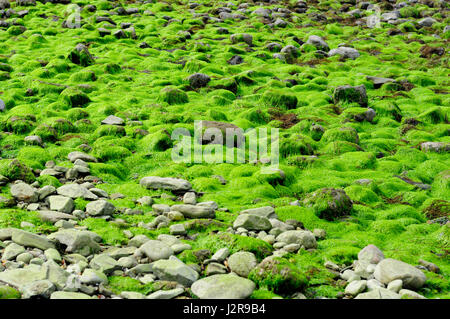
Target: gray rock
[104,263]
[379,293]
[156,250]
[61,204]
[409,294]
[355,287]
[69,295]
[76,241]
[301,237]
[18,278]
[371,254]
[318,42]
[436,147]
[33,140]
[93,277]
[76,191]
[2,105]
[46,191]
[242,263]
[6,233]
[190,198]
[168,183]
[131,295]
[221,254]
[227,286]
[100,208]
[427,22]
[28,239]
[262,12]
[52,254]
[73,156]
[38,289]
[374,284]
[24,257]
[166,294]
[252,222]
[214,268]
[54,217]
[138,241]
[113,120]
[12,251]
[266,211]
[145,201]
[194,211]
[175,270]
[395,285]
[24,193]
[55,274]
[177,229]
[390,269]
[345,52]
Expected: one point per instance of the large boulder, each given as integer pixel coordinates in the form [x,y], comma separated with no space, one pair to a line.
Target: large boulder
[390,269]
[168,183]
[227,286]
[329,203]
[61,204]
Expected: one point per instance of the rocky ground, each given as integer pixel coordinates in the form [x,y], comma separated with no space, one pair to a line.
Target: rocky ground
[92,205]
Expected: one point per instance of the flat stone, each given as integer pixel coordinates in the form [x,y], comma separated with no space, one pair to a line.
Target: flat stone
[18,278]
[73,156]
[168,183]
[227,286]
[266,211]
[70,295]
[345,52]
[175,270]
[113,120]
[28,239]
[379,293]
[177,229]
[76,191]
[221,254]
[166,294]
[54,217]
[194,211]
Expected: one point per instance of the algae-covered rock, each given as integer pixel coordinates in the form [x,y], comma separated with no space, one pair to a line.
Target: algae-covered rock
[329,203]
